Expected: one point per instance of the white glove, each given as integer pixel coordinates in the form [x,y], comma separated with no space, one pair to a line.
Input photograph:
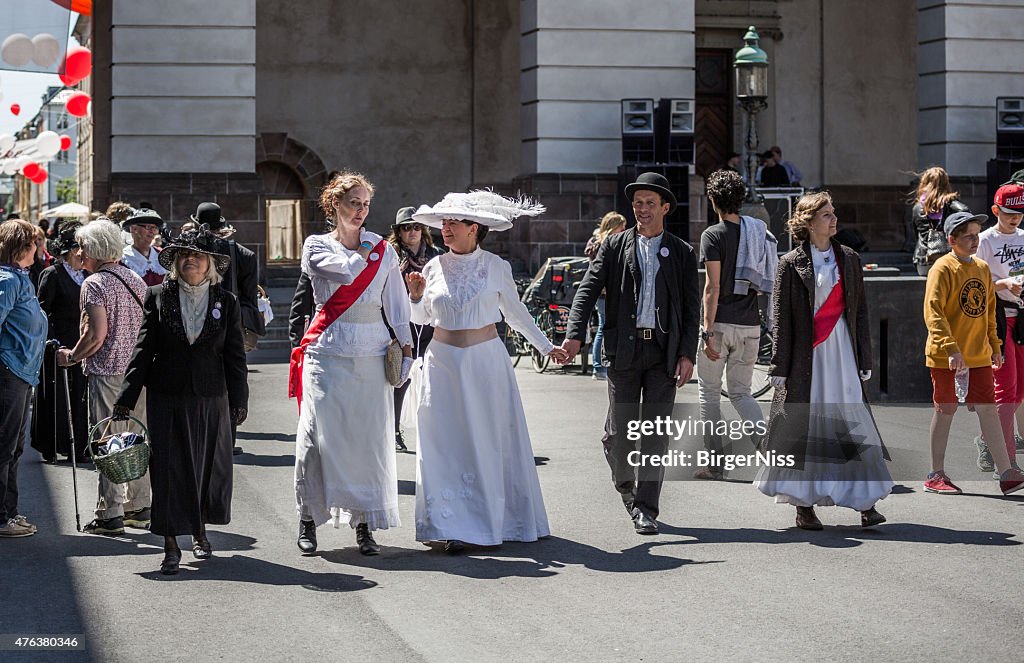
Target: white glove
[777,381]
[865,376]
[406,367]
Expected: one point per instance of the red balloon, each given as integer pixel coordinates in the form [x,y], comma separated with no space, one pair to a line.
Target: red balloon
[78,104]
[15,108]
[31,169]
[65,142]
[40,176]
[77,65]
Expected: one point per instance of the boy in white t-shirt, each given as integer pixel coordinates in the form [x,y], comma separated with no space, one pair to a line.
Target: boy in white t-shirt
[1002,247]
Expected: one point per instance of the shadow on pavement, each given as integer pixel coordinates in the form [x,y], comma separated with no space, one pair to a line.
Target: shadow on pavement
[260,460]
[239,568]
[541,559]
[278,437]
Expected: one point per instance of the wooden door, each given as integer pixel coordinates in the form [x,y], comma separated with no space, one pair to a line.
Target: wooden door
[713,122]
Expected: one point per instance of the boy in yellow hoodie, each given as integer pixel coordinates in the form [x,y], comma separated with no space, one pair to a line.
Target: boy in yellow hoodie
[960,313]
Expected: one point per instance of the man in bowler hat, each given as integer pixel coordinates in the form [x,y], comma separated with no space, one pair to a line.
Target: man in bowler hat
[240,279]
[650,336]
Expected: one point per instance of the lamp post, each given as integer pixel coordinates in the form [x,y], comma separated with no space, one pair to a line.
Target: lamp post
[751,66]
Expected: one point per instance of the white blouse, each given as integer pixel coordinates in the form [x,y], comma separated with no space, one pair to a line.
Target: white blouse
[195,300]
[140,264]
[359,331]
[471,291]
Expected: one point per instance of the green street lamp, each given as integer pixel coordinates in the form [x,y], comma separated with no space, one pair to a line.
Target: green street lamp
[751,66]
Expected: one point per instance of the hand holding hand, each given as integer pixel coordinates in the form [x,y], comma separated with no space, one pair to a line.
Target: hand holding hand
[121,413]
[684,370]
[571,349]
[778,381]
[406,368]
[416,284]
[559,356]
[239,415]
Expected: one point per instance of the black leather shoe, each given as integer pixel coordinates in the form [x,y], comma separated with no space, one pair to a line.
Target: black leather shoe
[307,536]
[236,450]
[201,548]
[870,518]
[644,524]
[453,547]
[400,443]
[807,519]
[169,566]
[367,546]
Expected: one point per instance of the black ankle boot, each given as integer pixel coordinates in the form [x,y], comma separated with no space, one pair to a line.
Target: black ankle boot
[307,536]
[172,557]
[367,546]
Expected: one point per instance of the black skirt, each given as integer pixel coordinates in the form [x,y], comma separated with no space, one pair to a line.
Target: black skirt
[50,412]
[191,465]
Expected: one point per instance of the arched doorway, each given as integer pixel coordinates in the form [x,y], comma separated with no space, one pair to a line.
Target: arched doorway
[284,197]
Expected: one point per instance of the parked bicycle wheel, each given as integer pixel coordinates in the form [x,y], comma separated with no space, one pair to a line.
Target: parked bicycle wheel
[546,325]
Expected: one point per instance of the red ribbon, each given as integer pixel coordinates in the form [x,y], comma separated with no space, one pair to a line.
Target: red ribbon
[828,315]
[344,297]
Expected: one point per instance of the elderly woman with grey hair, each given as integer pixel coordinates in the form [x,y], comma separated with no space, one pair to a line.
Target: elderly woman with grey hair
[111,302]
[190,358]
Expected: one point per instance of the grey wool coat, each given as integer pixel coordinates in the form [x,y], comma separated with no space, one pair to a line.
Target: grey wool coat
[793,344]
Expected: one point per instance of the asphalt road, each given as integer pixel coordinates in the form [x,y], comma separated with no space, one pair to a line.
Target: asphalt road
[728,578]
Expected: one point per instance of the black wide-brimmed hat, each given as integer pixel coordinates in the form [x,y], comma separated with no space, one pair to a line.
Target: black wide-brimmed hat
[65,239]
[200,240]
[653,182]
[143,215]
[210,215]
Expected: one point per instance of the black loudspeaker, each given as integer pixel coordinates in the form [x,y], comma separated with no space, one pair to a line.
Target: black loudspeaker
[673,131]
[638,131]
[1010,128]
[678,222]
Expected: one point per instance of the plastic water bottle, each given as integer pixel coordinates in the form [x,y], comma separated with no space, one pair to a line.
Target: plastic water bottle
[963,382]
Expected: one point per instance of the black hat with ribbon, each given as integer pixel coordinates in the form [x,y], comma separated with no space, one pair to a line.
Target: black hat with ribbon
[200,240]
[143,215]
[653,182]
[65,239]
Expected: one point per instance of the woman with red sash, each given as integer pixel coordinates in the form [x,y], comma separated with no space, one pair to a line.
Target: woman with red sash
[344,447]
[822,355]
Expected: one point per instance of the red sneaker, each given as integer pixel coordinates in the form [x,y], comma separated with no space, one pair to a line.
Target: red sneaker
[939,483]
[1011,481]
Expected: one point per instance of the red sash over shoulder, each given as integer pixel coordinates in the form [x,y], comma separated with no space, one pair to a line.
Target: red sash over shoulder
[340,301]
[828,315]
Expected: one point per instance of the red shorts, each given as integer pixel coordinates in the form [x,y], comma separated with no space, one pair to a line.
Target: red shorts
[980,391]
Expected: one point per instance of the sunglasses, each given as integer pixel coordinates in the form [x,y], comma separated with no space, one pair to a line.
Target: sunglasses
[410,227]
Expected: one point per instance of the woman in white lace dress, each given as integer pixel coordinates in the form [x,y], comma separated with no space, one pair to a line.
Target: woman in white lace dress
[476,480]
[344,449]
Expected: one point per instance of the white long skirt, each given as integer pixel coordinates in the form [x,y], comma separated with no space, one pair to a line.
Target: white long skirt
[844,464]
[476,480]
[345,448]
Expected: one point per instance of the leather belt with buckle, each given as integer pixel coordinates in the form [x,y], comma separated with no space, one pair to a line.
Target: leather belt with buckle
[644,334]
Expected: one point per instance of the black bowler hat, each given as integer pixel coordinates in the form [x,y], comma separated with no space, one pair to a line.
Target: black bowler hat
[209,214]
[653,182]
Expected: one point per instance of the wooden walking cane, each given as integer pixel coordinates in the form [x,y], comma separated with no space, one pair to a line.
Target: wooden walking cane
[74,453]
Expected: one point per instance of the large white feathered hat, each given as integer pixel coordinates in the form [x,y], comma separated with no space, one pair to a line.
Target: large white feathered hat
[484,207]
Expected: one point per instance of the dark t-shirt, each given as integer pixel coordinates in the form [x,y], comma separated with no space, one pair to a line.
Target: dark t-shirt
[720,243]
[774,176]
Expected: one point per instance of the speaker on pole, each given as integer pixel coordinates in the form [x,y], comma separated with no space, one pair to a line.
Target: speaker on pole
[673,123]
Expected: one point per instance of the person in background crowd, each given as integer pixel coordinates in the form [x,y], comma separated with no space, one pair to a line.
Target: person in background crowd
[41,259]
[933,201]
[772,174]
[650,337]
[111,317]
[190,359]
[1002,249]
[822,357]
[301,311]
[794,174]
[476,480]
[611,223]
[415,248]
[740,258]
[241,279]
[23,329]
[119,212]
[345,467]
[960,314]
[141,256]
[60,288]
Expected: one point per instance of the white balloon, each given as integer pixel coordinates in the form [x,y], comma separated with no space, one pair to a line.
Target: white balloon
[20,163]
[48,143]
[10,167]
[6,142]
[17,50]
[45,50]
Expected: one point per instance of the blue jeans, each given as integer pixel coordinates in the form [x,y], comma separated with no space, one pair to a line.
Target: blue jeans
[599,338]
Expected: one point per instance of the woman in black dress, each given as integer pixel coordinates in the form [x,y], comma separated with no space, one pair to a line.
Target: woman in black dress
[60,287]
[415,249]
[191,360]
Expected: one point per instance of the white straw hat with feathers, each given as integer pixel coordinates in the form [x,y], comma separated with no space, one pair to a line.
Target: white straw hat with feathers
[487,208]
